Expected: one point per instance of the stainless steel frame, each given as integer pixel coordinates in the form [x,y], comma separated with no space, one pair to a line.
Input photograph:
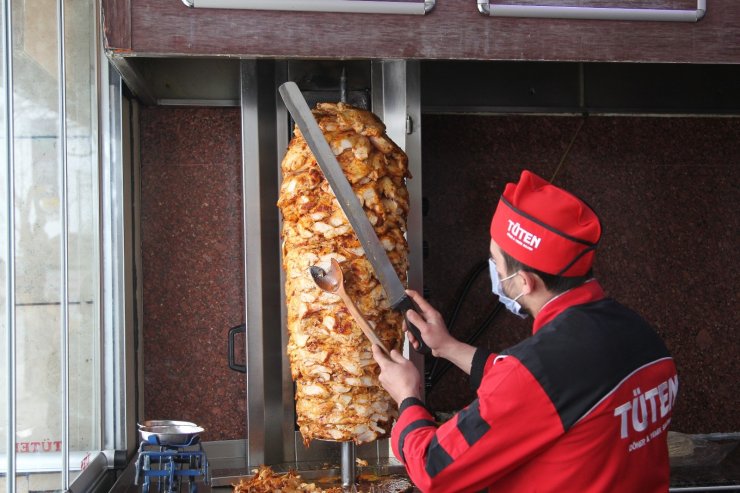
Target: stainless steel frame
[396,99]
[693,489]
[10,315]
[119,413]
[64,250]
[271,434]
[485,7]
[261,264]
[112,247]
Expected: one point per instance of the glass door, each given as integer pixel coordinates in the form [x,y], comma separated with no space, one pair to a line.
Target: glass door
[50,276]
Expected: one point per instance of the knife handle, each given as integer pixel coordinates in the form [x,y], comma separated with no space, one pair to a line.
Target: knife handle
[405,304]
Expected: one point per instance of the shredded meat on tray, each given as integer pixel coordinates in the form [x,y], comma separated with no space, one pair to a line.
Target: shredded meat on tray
[265,480]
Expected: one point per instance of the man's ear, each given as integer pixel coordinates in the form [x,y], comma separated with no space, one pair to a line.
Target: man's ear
[530,281]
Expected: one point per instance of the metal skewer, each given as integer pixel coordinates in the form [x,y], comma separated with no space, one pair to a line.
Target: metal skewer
[348,467]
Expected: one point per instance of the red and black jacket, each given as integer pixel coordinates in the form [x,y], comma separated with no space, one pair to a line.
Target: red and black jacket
[582,405]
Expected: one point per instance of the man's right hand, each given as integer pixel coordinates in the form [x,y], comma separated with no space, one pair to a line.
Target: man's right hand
[431,326]
[434,332]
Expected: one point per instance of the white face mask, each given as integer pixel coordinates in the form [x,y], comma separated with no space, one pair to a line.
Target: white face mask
[511,304]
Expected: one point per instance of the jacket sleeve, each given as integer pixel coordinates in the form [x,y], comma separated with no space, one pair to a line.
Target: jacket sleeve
[481,360]
[511,420]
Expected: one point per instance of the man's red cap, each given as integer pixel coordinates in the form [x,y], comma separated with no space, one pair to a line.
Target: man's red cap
[545,227]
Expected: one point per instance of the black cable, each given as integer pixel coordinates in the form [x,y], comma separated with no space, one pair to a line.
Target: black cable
[460,297]
[472,277]
[482,327]
[434,379]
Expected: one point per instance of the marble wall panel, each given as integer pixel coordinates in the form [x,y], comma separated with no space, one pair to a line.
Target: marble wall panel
[192,266]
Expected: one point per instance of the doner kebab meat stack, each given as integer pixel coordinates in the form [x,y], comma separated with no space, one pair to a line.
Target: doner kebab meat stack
[338,395]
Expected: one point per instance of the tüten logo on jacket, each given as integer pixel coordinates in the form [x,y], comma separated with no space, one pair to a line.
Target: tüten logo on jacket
[647,407]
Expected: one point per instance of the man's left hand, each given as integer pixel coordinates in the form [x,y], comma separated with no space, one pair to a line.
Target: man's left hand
[398,375]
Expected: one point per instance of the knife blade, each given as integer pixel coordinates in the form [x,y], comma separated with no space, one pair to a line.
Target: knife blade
[374,250]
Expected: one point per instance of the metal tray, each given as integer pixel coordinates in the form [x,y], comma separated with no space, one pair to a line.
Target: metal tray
[171,435]
[164,422]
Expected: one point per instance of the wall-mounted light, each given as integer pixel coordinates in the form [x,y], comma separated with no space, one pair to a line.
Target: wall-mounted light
[418,7]
[593,13]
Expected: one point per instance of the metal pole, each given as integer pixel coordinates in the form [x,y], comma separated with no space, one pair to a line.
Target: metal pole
[10,260]
[348,466]
[62,89]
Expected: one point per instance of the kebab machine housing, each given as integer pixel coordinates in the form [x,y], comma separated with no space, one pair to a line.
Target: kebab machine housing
[389,85]
[390,89]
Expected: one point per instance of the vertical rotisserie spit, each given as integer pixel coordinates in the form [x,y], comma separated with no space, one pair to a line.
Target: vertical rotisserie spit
[338,396]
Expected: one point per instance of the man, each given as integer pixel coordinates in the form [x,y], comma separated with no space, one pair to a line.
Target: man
[583,405]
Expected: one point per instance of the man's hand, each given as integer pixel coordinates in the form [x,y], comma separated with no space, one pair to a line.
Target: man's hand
[434,332]
[397,375]
[431,326]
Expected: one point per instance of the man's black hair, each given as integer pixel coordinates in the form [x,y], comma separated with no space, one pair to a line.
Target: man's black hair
[556,284]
